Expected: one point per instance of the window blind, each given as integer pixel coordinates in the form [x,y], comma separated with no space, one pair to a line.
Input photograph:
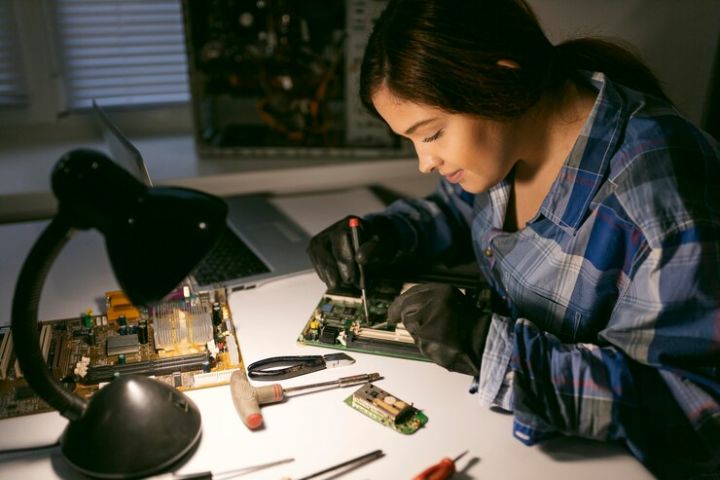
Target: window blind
[122,52]
[12,85]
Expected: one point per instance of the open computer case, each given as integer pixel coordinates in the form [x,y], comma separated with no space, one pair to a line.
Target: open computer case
[280,77]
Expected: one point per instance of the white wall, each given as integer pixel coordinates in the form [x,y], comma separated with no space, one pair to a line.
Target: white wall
[678,39]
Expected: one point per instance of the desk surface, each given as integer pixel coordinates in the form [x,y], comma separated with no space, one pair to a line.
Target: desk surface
[319,429]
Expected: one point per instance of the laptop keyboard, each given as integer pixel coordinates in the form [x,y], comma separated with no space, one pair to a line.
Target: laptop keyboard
[230,258]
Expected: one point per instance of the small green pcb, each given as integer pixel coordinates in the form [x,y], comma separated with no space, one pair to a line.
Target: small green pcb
[387,409]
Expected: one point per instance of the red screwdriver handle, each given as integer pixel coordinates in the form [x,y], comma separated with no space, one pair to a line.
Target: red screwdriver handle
[442,470]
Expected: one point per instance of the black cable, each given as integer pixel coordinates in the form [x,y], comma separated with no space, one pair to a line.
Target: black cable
[29,449]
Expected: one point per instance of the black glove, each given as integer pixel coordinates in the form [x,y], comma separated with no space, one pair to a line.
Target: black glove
[447,326]
[333,256]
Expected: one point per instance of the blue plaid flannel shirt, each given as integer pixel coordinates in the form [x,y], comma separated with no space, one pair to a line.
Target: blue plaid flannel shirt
[613,288]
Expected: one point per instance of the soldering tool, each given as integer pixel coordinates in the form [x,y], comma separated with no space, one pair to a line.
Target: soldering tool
[354,223]
[247,399]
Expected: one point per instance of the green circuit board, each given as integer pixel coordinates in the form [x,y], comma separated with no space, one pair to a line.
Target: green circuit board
[387,409]
[339,322]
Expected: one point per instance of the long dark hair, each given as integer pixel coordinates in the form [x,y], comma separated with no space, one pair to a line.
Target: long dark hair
[444,53]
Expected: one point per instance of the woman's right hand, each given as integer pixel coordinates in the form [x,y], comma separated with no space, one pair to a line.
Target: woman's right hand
[333,255]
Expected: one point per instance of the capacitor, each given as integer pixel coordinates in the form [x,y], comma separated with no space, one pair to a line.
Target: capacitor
[216,314]
[123,330]
[121,359]
[87,320]
[122,320]
[142,332]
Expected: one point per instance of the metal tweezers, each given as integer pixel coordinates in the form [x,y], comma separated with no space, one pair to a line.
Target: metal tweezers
[349,465]
[279,368]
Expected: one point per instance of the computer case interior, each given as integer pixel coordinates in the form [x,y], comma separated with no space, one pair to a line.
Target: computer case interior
[280,77]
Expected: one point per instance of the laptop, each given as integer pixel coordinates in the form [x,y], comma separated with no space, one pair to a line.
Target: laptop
[261,243]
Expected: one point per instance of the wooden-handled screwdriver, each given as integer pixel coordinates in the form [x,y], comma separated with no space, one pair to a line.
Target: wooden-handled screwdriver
[247,399]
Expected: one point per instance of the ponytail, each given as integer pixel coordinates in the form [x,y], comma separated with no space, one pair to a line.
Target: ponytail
[618,63]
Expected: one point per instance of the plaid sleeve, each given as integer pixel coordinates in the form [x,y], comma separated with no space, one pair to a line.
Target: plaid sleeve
[436,227]
[654,382]
[494,384]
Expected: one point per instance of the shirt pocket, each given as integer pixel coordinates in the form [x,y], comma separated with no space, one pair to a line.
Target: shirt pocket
[564,321]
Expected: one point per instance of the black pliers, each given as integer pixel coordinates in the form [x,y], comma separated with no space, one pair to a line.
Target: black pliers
[279,368]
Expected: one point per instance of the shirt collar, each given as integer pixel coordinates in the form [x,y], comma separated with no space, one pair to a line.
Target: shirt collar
[586,167]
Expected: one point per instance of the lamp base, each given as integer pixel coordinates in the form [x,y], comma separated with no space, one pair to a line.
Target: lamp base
[133,427]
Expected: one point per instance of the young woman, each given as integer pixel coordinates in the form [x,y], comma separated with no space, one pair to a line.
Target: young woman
[592,208]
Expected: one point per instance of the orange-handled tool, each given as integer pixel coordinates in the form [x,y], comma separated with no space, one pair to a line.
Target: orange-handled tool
[442,470]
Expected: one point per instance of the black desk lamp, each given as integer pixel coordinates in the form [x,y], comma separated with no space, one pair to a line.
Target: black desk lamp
[134,426]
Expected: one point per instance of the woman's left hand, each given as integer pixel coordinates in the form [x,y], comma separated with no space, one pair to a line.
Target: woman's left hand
[447,326]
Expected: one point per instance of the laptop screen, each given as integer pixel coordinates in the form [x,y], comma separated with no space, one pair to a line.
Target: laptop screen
[121,150]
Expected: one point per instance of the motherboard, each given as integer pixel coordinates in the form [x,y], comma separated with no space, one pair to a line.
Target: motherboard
[339,321]
[187,341]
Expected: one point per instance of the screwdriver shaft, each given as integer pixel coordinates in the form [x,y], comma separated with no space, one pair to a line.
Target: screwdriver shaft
[276,393]
[340,382]
[354,223]
[248,399]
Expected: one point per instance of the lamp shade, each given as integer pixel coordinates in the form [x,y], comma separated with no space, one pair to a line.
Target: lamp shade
[154,235]
[135,426]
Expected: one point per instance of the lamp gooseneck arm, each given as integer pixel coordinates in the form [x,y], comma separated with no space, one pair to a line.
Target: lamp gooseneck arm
[25,323]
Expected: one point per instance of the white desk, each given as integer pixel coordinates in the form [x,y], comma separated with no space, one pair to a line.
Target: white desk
[317,429]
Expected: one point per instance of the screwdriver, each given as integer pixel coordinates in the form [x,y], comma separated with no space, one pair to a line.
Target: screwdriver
[247,399]
[445,468]
[354,224]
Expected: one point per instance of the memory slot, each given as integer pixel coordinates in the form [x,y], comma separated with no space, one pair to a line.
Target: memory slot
[164,366]
[396,336]
[210,379]
[65,355]
[233,350]
[6,350]
[18,372]
[45,339]
[398,349]
[57,354]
